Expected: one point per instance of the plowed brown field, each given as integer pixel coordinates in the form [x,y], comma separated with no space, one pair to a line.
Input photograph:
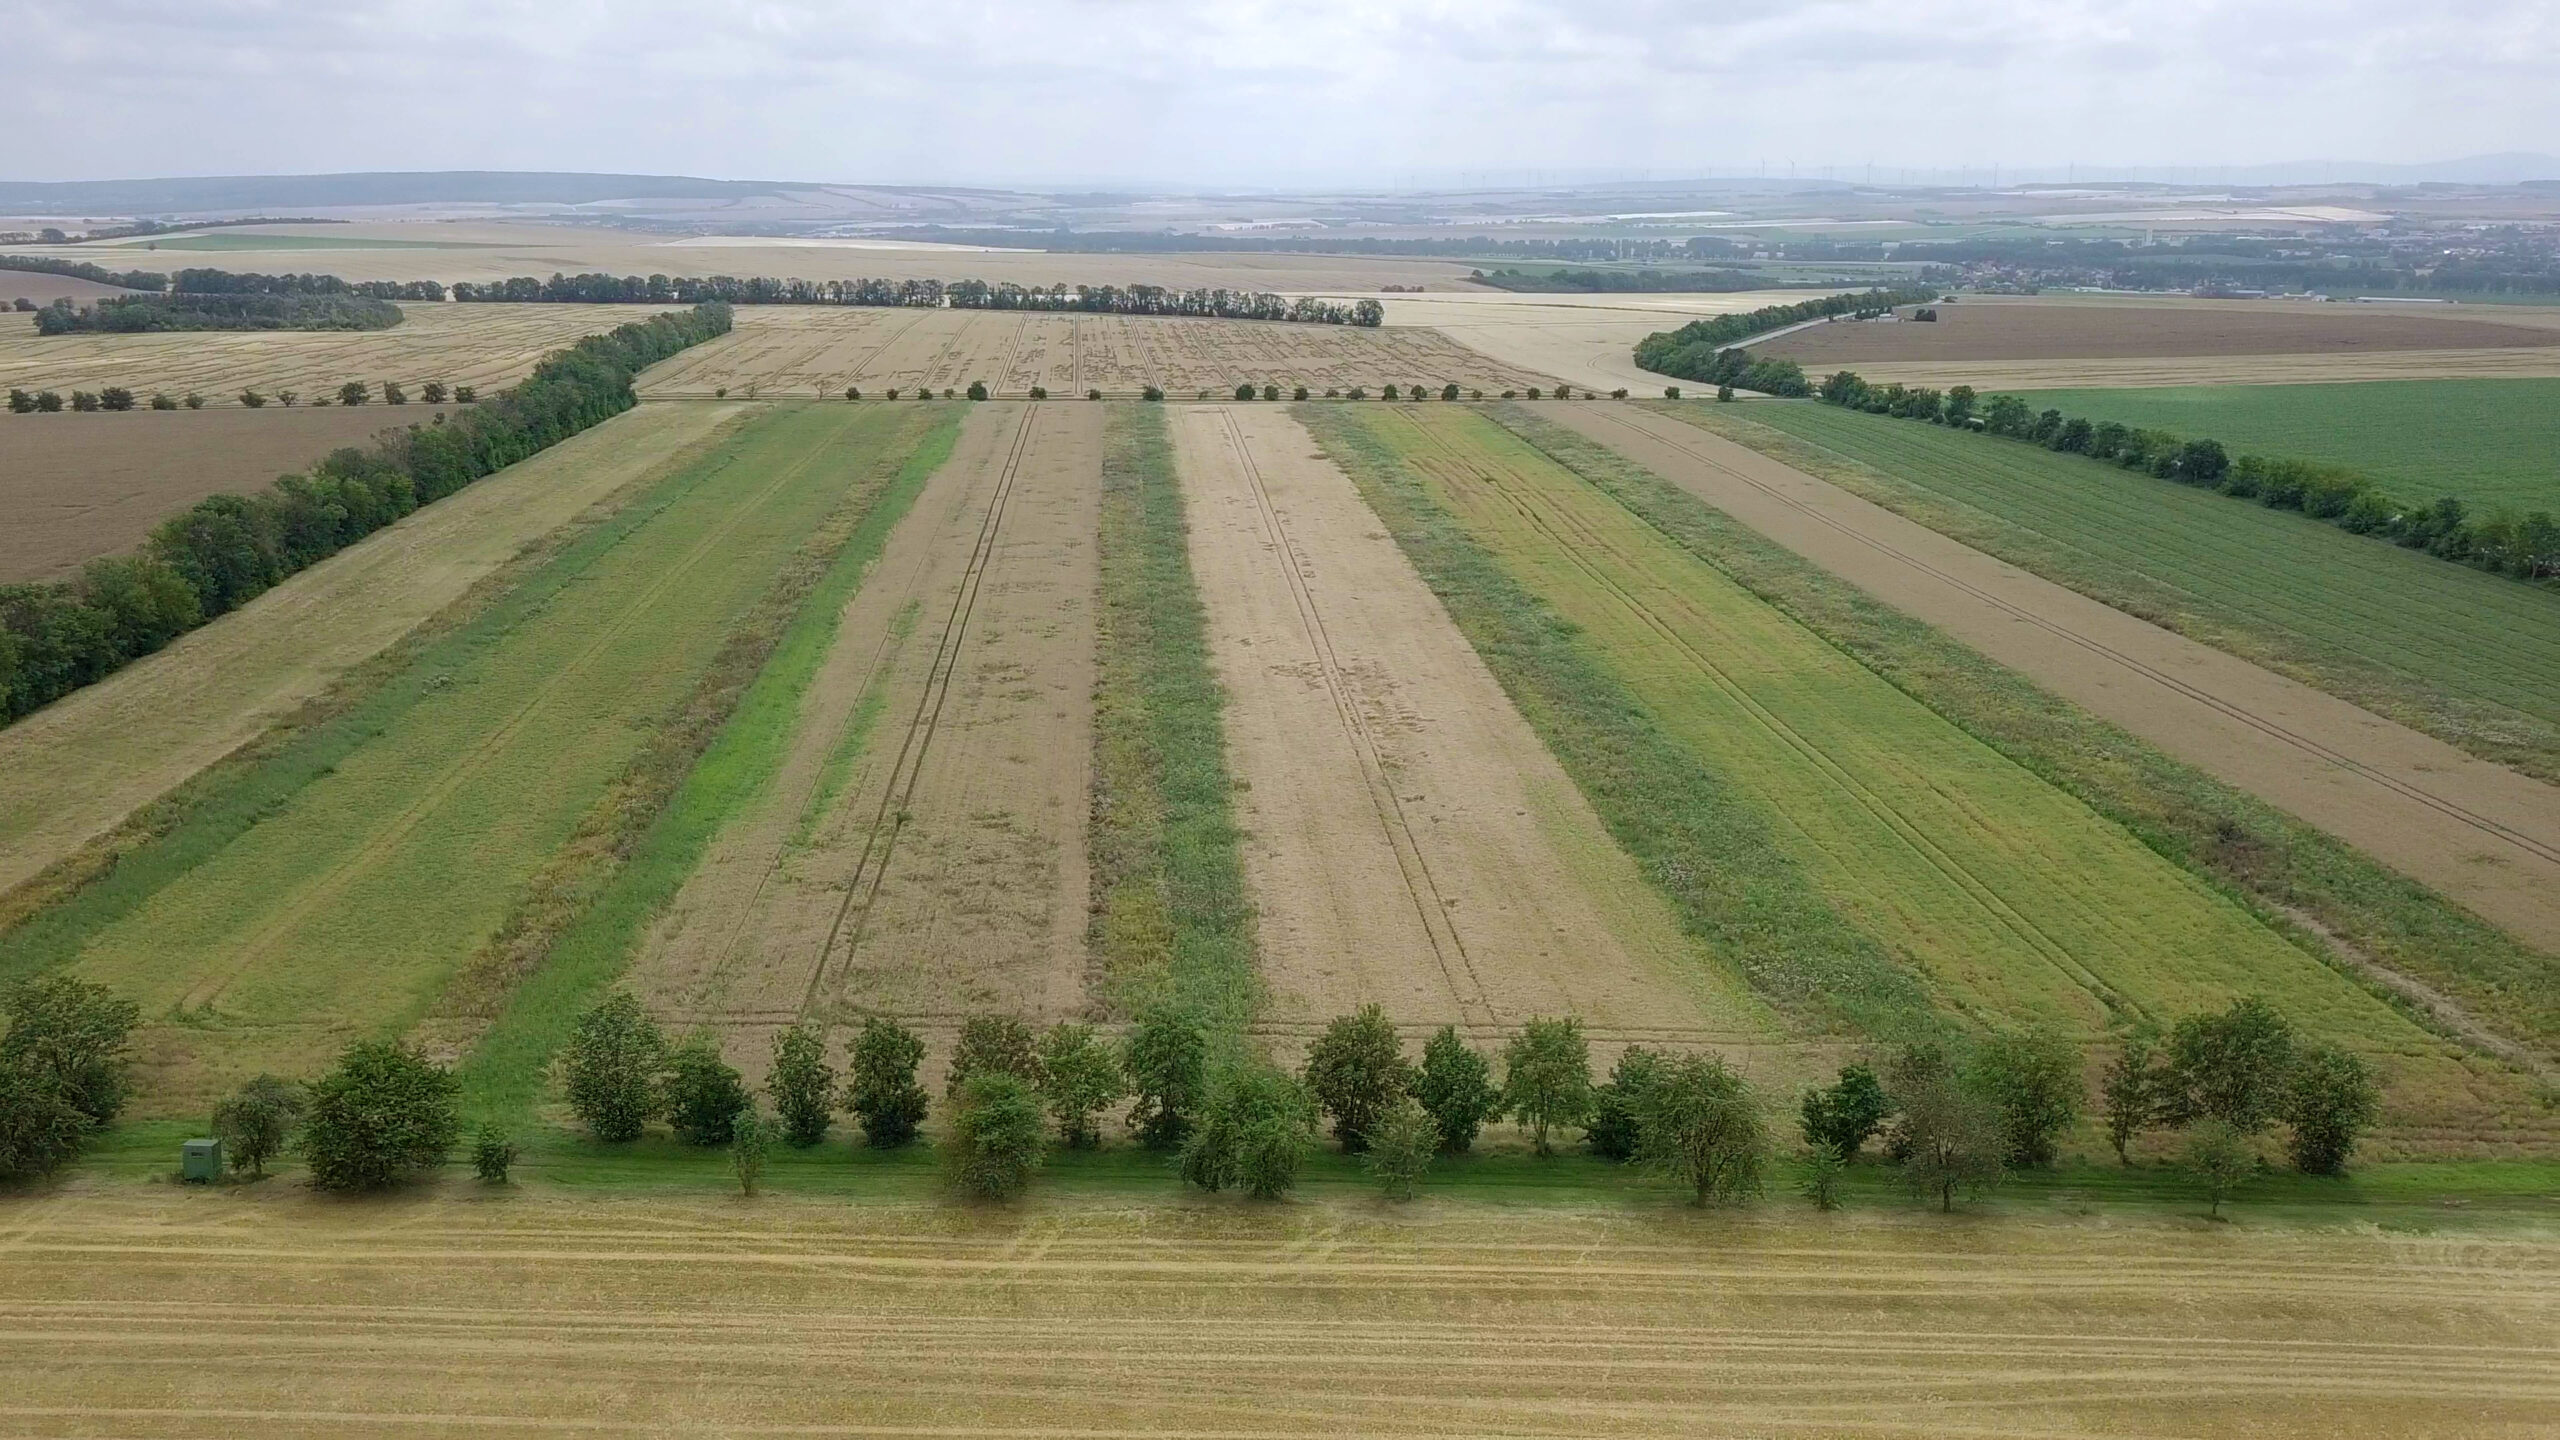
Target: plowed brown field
[1409,841]
[817,350]
[153,1313]
[922,853]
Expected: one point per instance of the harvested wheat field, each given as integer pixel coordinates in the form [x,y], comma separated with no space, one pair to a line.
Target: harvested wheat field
[76,769]
[74,487]
[820,350]
[1585,340]
[920,850]
[487,346]
[156,1312]
[1409,841]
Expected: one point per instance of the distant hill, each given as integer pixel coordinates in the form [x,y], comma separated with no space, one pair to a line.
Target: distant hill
[215,193]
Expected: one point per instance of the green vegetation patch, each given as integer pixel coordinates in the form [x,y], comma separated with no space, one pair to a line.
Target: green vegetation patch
[1171,919]
[2490,443]
[2470,658]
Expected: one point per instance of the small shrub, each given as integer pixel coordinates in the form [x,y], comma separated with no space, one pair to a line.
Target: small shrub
[464,394]
[881,1089]
[1079,1078]
[193,401]
[1618,394]
[492,1154]
[704,1093]
[891,392]
[162,400]
[2220,1160]
[996,1133]
[1818,1179]
[1166,1059]
[1455,1086]
[749,1137]
[610,1068]
[993,1044]
[256,1122]
[1475,394]
[802,1084]
[1356,1072]
[1039,392]
[1093,394]
[383,1115]
[1401,1145]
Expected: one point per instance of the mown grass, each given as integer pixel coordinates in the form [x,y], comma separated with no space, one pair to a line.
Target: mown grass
[503,1074]
[2471,658]
[2493,443]
[1695,835]
[2238,842]
[1171,921]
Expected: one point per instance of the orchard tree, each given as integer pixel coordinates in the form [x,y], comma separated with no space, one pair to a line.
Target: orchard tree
[1357,1072]
[802,1084]
[1455,1086]
[385,1113]
[611,1067]
[881,1089]
[1546,1079]
[1079,1078]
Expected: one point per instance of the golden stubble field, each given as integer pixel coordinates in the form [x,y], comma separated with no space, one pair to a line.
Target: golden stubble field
[145,1311]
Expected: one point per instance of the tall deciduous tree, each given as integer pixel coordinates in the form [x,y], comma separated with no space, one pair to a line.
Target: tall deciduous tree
[1839,1117]
[382,1115]
[1167,1058]
[1357,1072]
[2330,1100]
[996,1136]
[881,1089]
[2231,1066]
[611,1067]
[704,1092]
[1945,1135]
[1400,1148]
[256,1121]
[993,1045]
[1455,1085]
[1546,1077]
[1696,1121]
[1079,1079]
[2033,1081]
[2131,1091]
[802,1084]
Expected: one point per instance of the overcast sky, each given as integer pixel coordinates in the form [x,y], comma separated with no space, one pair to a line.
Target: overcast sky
[1247,92]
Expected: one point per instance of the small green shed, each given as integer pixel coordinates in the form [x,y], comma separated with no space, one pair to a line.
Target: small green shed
[200,1161]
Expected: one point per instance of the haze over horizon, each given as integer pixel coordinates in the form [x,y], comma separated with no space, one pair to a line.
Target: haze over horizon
[1125,92]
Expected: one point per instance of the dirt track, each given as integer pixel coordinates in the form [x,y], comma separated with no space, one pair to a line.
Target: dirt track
[77,768]
[2479,833]
[1409,841]
[524,1312]
[922,851]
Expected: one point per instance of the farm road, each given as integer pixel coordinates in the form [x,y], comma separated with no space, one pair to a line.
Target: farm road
[1409,841]
[2483,835]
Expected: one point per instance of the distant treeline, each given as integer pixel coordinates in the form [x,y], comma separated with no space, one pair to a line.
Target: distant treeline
[227,549]
[915,294]
[1703,350]
[150,280]
[1593,282]
[2526,547]
[140,313]
[225,282]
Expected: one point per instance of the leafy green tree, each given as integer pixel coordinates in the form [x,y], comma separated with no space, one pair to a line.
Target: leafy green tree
[193,401]
[392,394]
[1245,391]
[996,1136]
[1959,407]
[1546,1077]
[1400,1148]
[1300,393]
[84,402]
[1253,1134]
[1449,391]
[384,1114]
[1818,1179]
[1167,1060]
[1945,1135]
[1079,1079]
[115,397]
[881,1089]
[2033,1080]
[287,398]
[48,402]
[71,1035]
[1839,1117]
[434,393]
[2230,1067]
[1612,1129]
[610,1068]
[352,393]
[41,1125]
[750,1135]
[977,389]
[993,1044]
[1093,394]
[2131,1091]
[162,400]
[704,1092]
[802,1084]
[256,1121]
[1270,392]
[1387,392]
[1356,1071]
[1695,1121]
[492,1153]
[464,395]
[1455,1085]
[2330,1100]
[21,403]
[2219,1157]
[1150,393]
[1724,394]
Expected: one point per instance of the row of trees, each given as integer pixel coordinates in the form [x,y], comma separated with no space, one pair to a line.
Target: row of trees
[1695,351]
[83,270]
[231,282]
[2526,546]
[139,314]
[117,397]
[226,549]
[919,294]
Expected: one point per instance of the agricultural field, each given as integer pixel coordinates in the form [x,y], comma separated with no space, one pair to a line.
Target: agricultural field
[2470,658]
[487,346]
[779,351]
[2007,900]
[1584,340]
[401,843]
[2009,343]
[149,1311]
[2494,443]
[75,487]
[42,289]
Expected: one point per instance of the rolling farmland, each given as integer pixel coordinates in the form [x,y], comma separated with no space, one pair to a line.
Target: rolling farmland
[2494,443]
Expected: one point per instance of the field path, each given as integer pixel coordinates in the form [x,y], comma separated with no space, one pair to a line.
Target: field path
[77,768]
[1409,841]
[2479,833]
[525,1311]
[921,851]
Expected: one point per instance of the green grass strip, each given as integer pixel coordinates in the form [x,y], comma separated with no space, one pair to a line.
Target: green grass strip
[226,804]
[1171,918]
[502,1076]
[2283,869]
[1698,839]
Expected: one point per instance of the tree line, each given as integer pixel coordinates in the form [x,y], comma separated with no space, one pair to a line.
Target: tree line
[225,550]
[230,282]
[2525,547]
[82,270]
[137,314]
[117,397]
[1703,350]
[918,294]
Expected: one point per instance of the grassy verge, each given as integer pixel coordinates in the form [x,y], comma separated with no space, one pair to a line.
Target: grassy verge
[764,669]
[1701,841]
[1170,918]
[2470,658]
[2288,871]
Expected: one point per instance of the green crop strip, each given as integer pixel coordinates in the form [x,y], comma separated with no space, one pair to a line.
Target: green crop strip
[503,1074]
[1171,919]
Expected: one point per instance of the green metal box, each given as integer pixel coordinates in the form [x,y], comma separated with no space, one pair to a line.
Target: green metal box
[200,1161]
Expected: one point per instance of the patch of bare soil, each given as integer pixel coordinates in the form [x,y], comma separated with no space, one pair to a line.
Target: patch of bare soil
[1409,841]
[75,487]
